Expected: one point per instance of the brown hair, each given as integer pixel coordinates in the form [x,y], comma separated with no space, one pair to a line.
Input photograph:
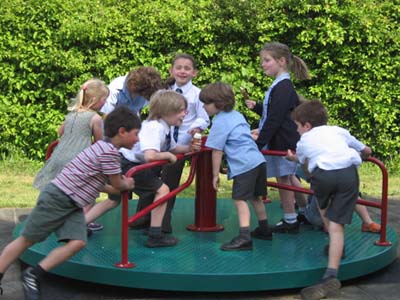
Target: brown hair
[143,81]
[312,111]
[219,93]
[164,103]
[295,64]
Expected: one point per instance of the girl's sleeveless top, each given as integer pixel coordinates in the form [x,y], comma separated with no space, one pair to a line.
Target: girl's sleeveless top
[76,137]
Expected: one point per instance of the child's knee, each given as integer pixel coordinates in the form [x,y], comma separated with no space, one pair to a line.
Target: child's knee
[163,190]
[77,245]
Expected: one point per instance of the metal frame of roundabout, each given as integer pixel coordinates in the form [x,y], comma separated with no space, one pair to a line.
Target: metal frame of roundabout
[117,256]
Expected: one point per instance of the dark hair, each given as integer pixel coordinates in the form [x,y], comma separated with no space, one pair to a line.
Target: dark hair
[143,81]
[120,117]
[294,63]
[312,111]
[219,93]
[186,56]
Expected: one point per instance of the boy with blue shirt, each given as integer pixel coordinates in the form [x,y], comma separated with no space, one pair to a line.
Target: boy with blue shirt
[230,135]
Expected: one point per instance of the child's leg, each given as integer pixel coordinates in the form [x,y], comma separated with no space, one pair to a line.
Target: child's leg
[12,251]
[262,231]
[336,244]
[243,240]
[61,254]
[99,209]
[300,198]
[367,224]
[157,213]
[289,223]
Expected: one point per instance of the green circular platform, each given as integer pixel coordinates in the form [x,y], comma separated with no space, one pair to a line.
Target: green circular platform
[197,263]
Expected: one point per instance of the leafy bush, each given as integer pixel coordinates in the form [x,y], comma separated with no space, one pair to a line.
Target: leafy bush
[49,48]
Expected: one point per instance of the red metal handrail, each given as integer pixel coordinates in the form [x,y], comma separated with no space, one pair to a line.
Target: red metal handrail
[126,220]
[382,206]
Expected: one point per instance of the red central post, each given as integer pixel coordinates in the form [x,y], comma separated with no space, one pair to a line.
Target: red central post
[206,197]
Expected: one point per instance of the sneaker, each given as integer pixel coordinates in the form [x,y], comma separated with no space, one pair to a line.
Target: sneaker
[146,231]
[162,241]
[31,285]
[95,226]
[326,251]
[284,227]
[321,289]
[261,234]
[236,244]
[372,227]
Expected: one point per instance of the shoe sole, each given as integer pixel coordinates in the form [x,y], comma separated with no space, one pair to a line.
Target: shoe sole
[260,237]
[247,248]
[286,231]
[321,290]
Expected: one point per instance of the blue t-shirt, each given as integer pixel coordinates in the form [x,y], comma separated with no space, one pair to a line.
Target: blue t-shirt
[230,133]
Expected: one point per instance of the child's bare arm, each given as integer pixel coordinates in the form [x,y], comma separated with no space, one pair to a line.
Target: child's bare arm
[97,127]
[121,183]
[216,157]
[152,155]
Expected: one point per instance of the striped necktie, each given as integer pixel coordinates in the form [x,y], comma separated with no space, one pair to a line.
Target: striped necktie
[176,128]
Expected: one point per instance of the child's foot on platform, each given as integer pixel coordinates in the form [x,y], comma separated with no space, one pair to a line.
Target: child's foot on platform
[372,227]
[95,226]
[321,289]
[161,241]
[238,243]
[301,218]
[263,234]
[30,284]
[284,227]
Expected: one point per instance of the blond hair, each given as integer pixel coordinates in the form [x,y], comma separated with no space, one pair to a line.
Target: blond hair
[91,92]
[164,103]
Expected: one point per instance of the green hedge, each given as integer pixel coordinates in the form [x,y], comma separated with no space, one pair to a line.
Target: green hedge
[49,48]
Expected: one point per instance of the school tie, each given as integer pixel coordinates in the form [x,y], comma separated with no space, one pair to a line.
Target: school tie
[176,128]
[167,142]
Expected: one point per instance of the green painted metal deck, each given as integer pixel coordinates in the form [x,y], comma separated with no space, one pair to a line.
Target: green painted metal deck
[197,264]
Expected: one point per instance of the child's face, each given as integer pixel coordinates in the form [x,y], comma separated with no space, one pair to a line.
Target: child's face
[175,119]
[130,138]
[183,71]
[211,109]
[272,67]
[301,129]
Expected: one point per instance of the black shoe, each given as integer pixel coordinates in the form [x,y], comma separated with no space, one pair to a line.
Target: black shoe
[162,241]
[89,232]
[140,224]
[284,227]
[263,234]
[326,251]
[146,231]
[31,285]
[237,243]
[301,218]
[321,289]
[1,290]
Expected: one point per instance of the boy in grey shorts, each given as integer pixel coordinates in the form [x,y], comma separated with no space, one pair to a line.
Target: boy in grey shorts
[60,203]
[329,155]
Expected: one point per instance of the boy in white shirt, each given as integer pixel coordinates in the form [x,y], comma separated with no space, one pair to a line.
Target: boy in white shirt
[329,155]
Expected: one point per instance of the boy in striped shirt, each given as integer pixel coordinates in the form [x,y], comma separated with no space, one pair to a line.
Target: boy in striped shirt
[60,203]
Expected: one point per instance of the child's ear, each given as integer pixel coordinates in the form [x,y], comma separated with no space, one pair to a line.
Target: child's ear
[195,72]
[308,126]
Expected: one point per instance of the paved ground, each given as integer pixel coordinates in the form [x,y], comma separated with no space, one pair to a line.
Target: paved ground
[382,285]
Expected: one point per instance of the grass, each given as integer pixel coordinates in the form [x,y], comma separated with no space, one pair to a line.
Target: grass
[16,177]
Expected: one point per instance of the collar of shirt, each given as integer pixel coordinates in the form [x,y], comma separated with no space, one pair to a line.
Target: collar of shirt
[185,88]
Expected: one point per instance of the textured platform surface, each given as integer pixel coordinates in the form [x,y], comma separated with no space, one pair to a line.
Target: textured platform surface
[197,264]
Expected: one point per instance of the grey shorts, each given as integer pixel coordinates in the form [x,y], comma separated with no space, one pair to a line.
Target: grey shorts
[251,184]
[337,192]
[55,212]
